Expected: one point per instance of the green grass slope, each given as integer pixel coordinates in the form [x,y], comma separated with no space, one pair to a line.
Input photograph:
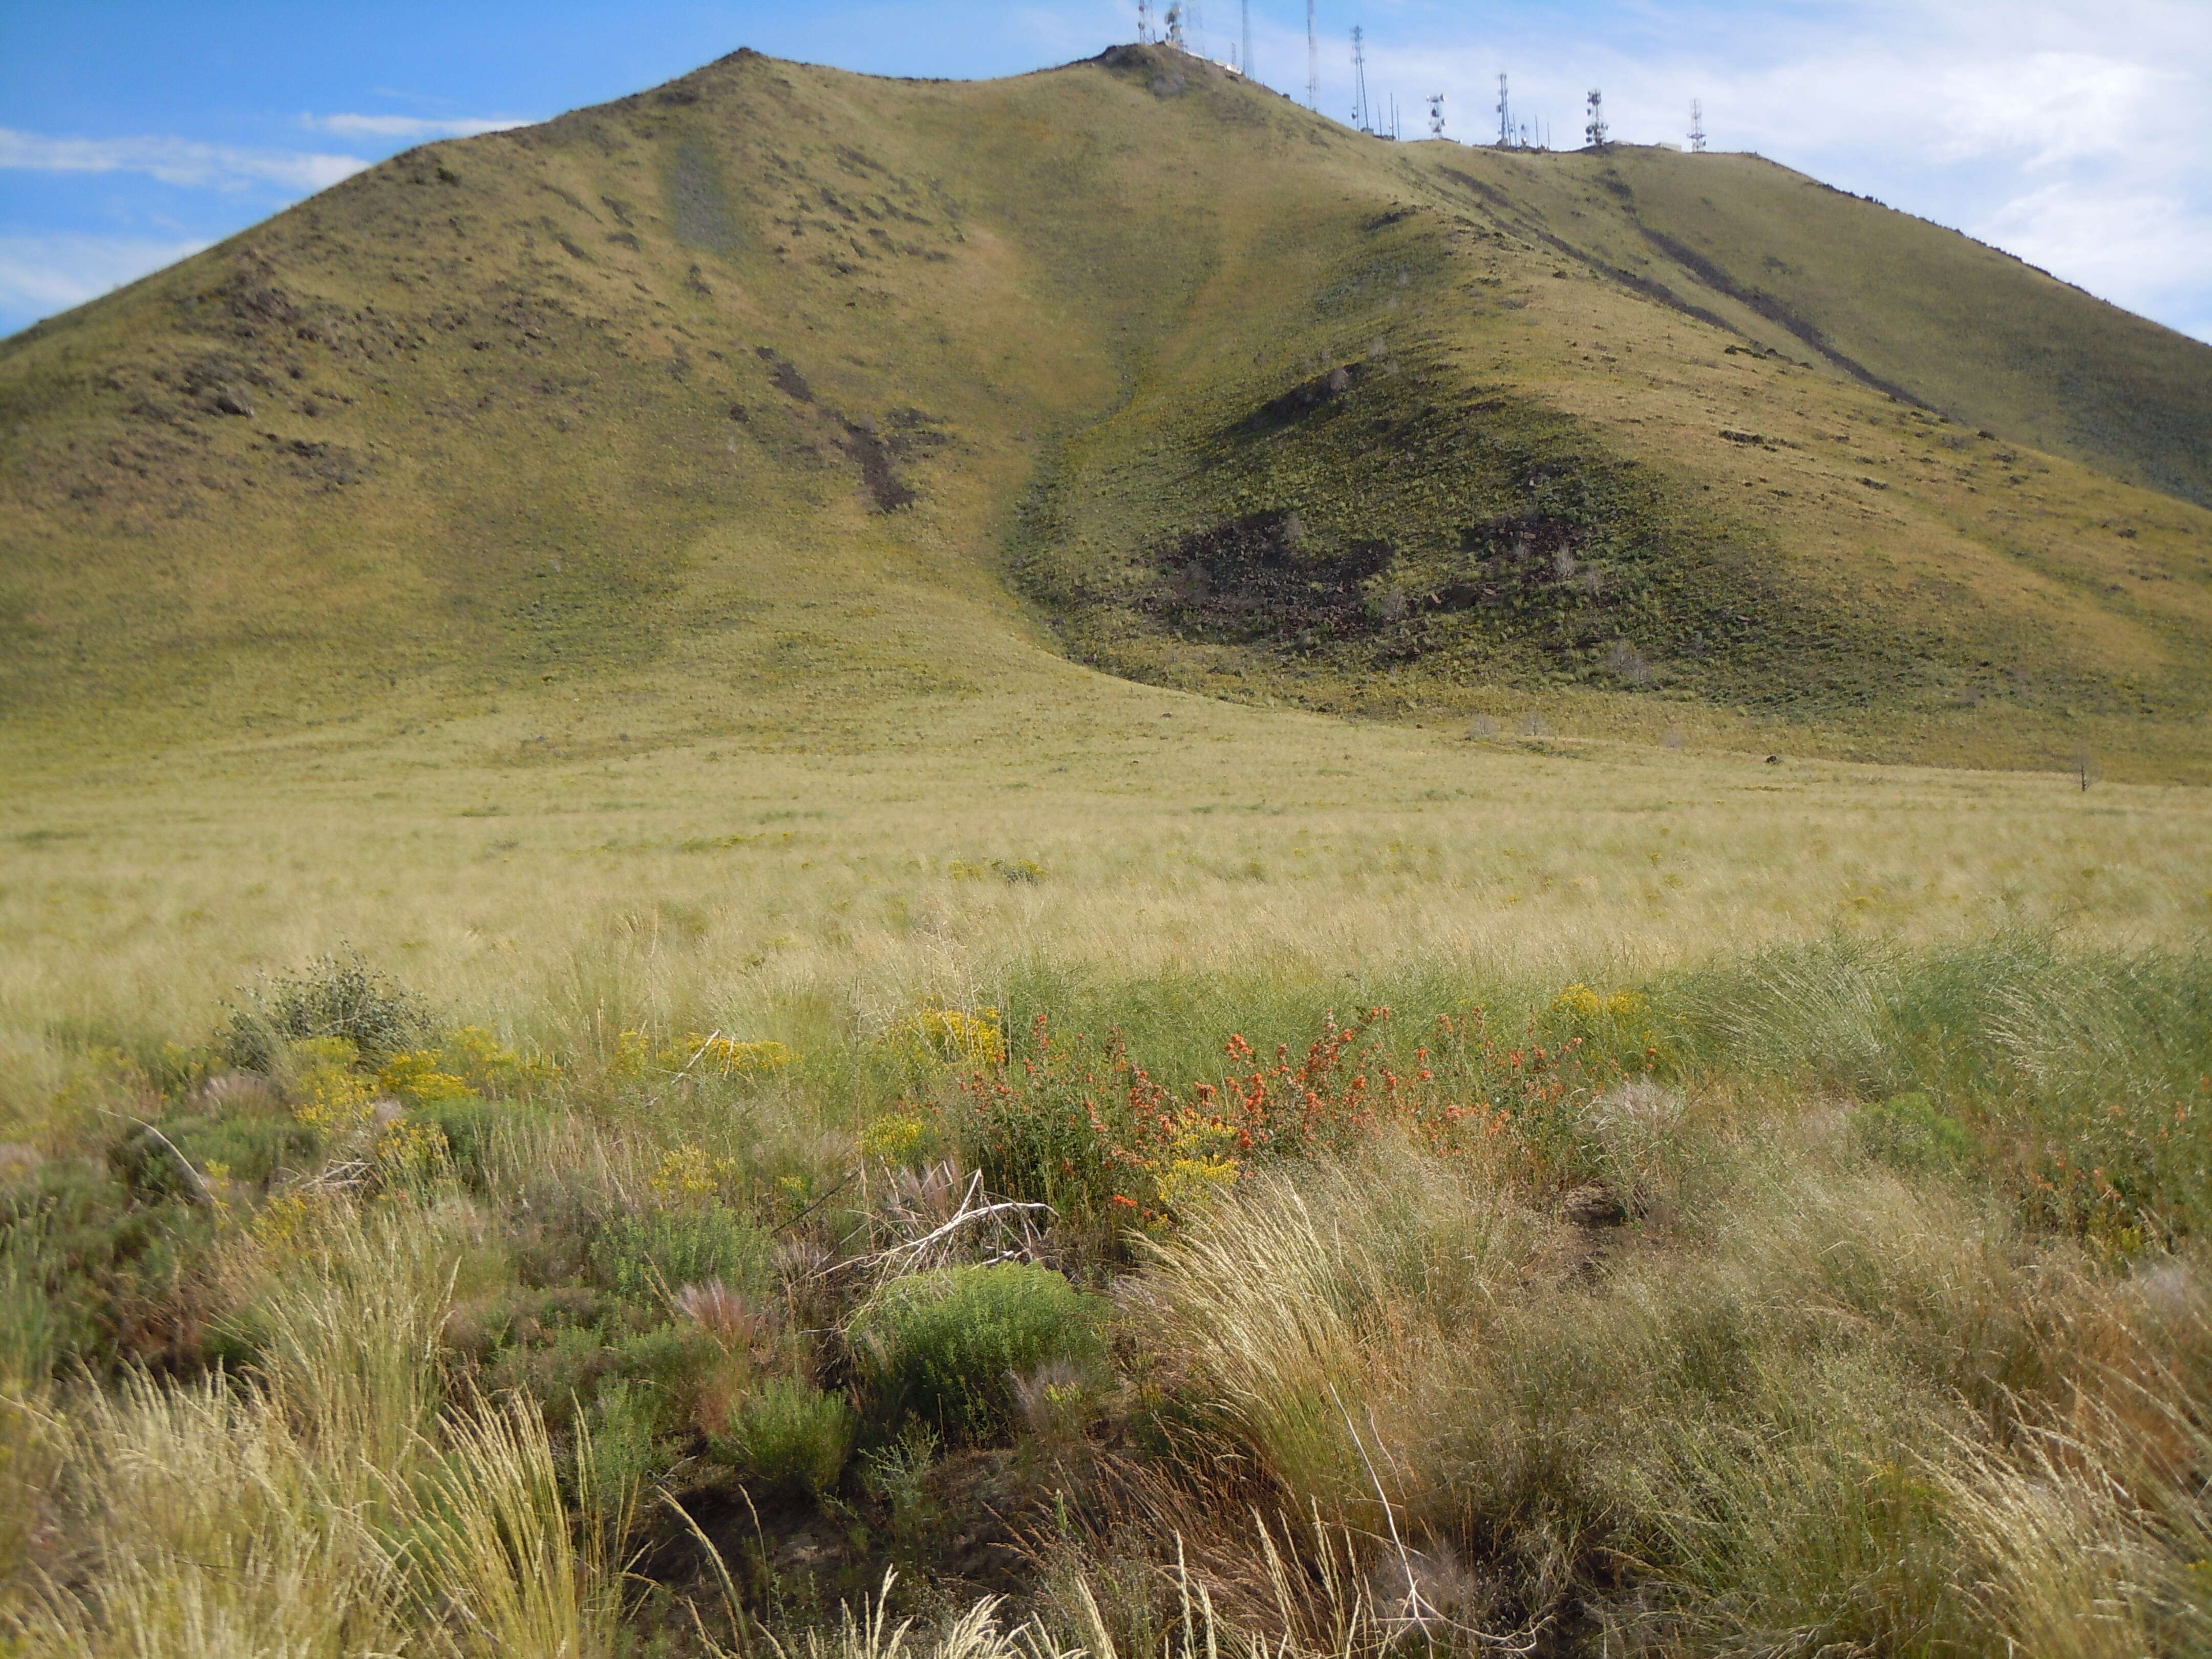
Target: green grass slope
[777,397]
[1907,306]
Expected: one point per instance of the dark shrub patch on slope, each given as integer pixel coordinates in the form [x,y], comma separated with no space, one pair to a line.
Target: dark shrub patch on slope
[1383,516]
[1246,580]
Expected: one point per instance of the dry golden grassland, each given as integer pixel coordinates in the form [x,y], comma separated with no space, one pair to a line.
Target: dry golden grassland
[728,888]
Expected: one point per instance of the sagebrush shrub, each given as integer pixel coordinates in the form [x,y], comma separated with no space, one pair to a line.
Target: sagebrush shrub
[789,1431]
[249,1150]
[947,1346]
[627,1449]
[642,1256]
[335,997]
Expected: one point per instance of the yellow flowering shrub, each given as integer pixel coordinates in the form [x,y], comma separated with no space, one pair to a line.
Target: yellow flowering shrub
[893,1139]
[1580,1002]
[330,1094]
[954,1035]
[411,1150]
[475,1054]
[290,1221]
[1192,1184]
[416,1078]
[689,1172]
[641,1053]
[1199,1166]
[633,1053]
[730,1058]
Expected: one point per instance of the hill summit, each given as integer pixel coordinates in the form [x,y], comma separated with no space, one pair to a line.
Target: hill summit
[777,390]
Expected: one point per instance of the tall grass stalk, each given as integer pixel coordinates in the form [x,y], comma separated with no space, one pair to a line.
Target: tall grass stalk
[1301,1292]
[348,1317]
[501,1566]
[207,1526]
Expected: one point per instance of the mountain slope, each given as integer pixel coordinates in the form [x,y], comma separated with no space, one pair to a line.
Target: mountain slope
[1899,304]
[779,391]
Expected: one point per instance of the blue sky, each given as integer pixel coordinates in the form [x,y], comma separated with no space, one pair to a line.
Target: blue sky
[2075,133]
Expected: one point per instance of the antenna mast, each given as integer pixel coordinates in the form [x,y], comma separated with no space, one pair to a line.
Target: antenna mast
[1697,126]
[1505,115]
[1435,115]
[1244,63]
[1144,23]
[1596,131]
[1359,117]
[1313,62]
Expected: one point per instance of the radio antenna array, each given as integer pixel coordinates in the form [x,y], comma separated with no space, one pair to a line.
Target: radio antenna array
[1505,115]
[1245,61]
[1596,131]
[1697,126]
[1435,115]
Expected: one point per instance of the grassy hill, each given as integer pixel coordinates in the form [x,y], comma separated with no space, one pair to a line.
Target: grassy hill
[777,397]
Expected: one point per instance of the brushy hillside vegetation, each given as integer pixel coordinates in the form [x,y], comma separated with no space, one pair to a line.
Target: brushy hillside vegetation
[1838,1297]
[612,1042]
[1651,439]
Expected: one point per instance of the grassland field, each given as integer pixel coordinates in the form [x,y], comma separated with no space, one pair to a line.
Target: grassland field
[1167,833]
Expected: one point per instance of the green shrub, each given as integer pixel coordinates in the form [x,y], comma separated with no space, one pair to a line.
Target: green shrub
[627,1447]
[638,1255]
[244,1149]
[30,1331]
[470,1127]
[336,997]
[947,1346]
[1911,1132]
[788,1432]
[118,1275]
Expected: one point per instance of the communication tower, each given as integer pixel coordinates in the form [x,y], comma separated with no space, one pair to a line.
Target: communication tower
[1697,126]
[1313,62]
[1505,115]
[1596,131]
[1244,59]
[1174,20]
[1358,79]
[1435,115]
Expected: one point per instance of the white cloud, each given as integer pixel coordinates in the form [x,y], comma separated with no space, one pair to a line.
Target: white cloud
[2135,248]
[41,275]
[2047,107]
[414,127]
[176,161]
